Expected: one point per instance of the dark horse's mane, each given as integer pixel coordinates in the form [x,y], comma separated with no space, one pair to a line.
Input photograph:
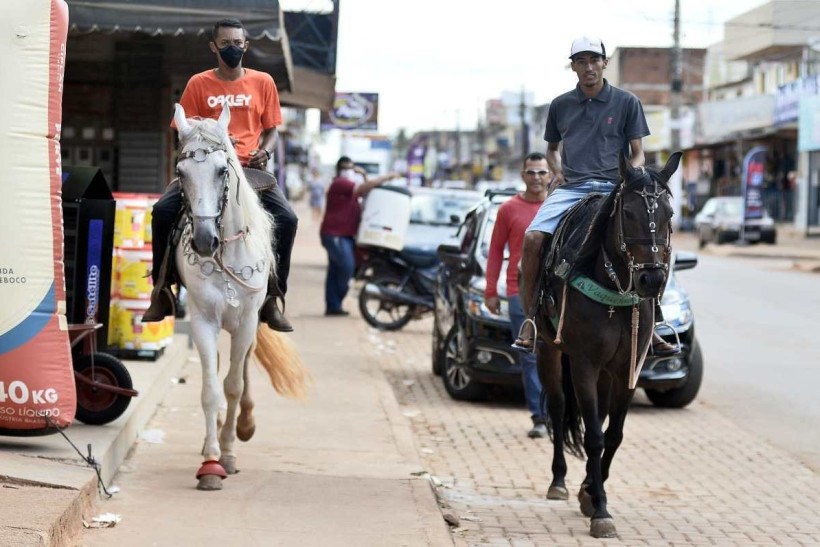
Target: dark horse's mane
[589,222]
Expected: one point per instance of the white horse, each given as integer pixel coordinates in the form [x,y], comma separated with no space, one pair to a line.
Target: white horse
[224,259]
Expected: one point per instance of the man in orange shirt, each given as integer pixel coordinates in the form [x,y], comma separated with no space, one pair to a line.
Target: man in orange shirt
[513,218]
[255,113]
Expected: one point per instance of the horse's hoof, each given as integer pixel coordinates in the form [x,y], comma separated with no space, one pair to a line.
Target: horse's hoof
[603,528]
[209,482]
[586,502]
[556,492]
[245,434]
[229,463]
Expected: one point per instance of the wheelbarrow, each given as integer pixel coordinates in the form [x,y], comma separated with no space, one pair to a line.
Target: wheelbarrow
[104,386]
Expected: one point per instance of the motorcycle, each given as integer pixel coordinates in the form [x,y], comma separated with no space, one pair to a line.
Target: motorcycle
[398,286]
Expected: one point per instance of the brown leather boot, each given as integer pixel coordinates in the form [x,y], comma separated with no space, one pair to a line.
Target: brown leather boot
[270,314]
[662,348]
[163,302]
[162,305]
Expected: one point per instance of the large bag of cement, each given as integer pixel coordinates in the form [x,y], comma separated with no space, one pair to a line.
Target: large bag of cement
[36,376]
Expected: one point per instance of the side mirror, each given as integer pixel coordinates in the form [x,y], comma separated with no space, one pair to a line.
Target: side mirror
[455,219]
[685,260]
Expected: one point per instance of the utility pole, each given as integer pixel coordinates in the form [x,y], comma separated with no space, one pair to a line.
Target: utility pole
[677,83]
[525,130]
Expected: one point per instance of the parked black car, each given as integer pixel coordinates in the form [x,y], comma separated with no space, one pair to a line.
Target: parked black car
[471,346]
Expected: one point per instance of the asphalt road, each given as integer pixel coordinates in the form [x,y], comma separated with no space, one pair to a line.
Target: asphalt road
[758,321]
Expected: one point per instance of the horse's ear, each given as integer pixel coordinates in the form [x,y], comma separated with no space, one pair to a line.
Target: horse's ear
[225,117]
[625,167]
[671,166]
[181,121]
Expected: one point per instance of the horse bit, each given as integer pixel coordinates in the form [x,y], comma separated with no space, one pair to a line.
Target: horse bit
[650,199]
[216,265]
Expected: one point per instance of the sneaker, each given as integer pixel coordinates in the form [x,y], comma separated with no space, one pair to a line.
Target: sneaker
[337,313]
[538,431]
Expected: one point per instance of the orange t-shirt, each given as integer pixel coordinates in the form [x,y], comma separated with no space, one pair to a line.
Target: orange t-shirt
[254,102]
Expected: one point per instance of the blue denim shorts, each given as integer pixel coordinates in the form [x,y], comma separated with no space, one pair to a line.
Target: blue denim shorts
[560,200]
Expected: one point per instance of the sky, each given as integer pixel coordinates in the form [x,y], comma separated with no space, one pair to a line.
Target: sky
[435,63]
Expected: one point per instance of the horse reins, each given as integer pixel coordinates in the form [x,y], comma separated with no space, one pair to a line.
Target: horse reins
[207,268]
[651,201]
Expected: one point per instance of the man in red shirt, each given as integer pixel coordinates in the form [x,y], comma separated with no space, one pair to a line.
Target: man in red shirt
[339,228]
[255,113]
[511,223]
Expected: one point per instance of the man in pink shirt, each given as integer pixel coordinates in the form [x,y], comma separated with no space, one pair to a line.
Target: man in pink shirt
[511,223]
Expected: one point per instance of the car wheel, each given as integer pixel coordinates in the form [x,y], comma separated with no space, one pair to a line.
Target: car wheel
[701,239]
[771,240]
[436,349]
[456,374]
[721,238]
[682,396]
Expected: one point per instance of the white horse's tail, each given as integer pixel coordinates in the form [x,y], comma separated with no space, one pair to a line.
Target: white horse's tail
[278,356]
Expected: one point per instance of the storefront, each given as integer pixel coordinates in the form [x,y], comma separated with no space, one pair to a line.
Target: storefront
[127,63]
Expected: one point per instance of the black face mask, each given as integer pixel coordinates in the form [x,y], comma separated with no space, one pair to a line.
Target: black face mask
[232,55]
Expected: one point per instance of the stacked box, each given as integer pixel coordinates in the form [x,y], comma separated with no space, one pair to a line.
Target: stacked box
[132,284]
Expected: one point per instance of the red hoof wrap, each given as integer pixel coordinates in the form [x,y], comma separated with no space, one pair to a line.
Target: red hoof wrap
[211,467]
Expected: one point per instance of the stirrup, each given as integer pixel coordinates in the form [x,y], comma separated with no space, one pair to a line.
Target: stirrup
[669,326]
[531,348]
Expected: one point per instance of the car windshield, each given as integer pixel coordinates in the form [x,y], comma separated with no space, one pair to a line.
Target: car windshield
[732,207]
[438,208]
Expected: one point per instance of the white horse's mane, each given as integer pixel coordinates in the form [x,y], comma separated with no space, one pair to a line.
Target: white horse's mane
[255,217]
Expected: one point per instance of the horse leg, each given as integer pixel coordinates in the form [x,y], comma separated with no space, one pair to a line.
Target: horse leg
[585,380]
[549,372]
[245,425]
[234,386]
[615,430]
[205,336]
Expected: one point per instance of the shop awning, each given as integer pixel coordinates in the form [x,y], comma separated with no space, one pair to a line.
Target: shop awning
[311,89]
[263,20]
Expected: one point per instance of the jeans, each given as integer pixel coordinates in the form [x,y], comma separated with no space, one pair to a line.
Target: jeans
[560,200]
[167,208]
[529,370]
[341,260]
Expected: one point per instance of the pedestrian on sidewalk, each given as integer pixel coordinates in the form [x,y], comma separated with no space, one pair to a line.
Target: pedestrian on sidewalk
[339,227]
[510,225]
[316,197]
[255,114]
[597,123]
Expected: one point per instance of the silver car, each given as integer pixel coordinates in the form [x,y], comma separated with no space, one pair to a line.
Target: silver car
[721,219]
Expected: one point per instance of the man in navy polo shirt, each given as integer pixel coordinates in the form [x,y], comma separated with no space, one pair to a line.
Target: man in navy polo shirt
[597,122]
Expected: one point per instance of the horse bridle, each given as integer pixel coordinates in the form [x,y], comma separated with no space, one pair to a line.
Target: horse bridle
[650,199]
[200,155]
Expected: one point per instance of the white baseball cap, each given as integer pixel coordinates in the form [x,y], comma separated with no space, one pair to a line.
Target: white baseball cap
[586,43]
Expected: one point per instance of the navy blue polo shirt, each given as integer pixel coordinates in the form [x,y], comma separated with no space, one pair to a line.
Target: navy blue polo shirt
[594,131]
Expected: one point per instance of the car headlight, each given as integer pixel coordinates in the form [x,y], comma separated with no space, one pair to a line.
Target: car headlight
[678,314]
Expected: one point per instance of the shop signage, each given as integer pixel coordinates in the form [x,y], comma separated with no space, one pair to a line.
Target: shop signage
[787,99]
[754,167]
[352,111]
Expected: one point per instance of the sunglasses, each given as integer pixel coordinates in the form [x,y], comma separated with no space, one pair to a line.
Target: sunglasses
[532,173]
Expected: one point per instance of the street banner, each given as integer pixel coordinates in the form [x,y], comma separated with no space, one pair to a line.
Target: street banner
[36,376]
[754,168]
[352,111]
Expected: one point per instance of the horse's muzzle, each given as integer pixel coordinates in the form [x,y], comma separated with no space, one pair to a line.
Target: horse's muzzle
[649,282]
[204,242]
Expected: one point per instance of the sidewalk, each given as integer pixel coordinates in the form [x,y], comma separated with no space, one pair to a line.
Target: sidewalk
[46,489]
[803,251]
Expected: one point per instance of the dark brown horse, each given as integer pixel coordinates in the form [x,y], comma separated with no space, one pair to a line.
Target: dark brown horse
[608,265]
